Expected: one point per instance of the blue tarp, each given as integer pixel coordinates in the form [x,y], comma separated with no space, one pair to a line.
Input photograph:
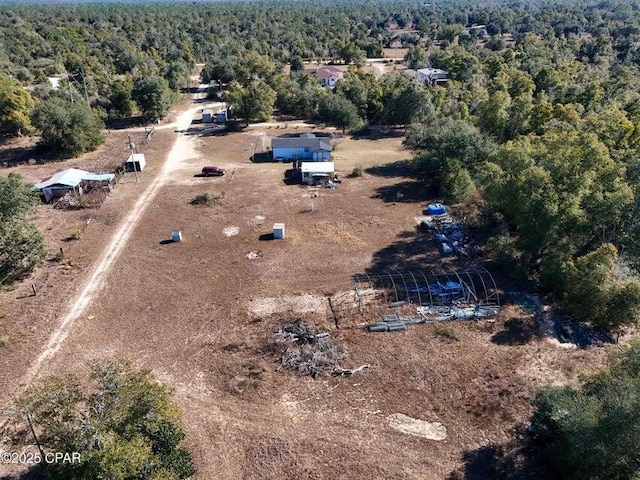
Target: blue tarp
[447,291]
[446,248]
[435,209]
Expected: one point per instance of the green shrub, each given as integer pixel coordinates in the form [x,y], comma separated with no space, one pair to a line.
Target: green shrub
[202,199]
[592,432]
[356,172]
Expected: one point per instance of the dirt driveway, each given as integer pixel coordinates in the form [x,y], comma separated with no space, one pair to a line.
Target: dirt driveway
[182,149]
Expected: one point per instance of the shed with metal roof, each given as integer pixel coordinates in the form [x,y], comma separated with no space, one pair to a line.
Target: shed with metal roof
[70,180]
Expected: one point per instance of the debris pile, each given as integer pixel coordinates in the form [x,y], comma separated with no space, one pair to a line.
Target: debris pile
[447,232]
[434,313]
[302,348]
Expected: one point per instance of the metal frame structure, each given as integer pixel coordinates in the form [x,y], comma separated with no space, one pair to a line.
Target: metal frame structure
[473,287]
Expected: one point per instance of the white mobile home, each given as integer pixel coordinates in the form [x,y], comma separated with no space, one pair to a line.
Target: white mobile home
[310,171]
[432,76]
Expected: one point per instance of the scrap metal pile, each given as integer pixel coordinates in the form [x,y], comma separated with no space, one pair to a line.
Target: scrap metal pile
[432,314]
[447,231]
[427,297]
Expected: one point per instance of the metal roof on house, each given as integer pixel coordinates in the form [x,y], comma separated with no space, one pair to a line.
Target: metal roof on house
[432,71]
[316,167]
[72,178]
[313,143]
[99,177]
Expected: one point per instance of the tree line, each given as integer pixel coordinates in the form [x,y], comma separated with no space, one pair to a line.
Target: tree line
[544,142]
[103,50]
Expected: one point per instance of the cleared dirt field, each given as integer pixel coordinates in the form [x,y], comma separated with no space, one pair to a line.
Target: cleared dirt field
[199,313]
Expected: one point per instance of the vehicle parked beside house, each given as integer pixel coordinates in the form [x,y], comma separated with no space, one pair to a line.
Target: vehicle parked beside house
[213,171]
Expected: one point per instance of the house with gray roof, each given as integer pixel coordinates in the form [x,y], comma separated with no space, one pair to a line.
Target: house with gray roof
[305,147]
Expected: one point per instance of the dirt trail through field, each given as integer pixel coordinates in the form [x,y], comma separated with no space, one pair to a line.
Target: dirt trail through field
[181,150]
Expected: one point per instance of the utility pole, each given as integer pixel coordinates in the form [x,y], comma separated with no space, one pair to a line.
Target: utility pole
[132,148]
[84,81]
[69,88]
[395,52]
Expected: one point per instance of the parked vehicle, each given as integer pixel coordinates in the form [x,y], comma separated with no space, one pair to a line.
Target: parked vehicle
[212,170]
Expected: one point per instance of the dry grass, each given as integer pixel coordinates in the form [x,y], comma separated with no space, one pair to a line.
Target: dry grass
[199,312]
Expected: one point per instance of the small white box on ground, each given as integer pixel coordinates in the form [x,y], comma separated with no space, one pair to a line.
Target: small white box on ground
[176,235]
[278,230]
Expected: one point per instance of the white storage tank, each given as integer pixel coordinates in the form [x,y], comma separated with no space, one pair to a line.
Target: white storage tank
[278,230]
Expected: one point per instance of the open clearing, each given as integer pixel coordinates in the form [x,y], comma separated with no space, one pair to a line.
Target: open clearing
[198,313]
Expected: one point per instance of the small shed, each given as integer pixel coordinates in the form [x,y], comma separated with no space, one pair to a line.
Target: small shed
[135,163]
[316,170]
[435,209]
[207,115]
[278,230]
[221,116]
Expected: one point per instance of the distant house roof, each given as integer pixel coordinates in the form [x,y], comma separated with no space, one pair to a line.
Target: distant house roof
[329,72]
[326,72]
[54,82]
[312,143]
[72,177]
[432,71]
[316,167]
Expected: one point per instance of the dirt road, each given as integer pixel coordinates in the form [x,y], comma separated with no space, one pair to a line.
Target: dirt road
[181,150]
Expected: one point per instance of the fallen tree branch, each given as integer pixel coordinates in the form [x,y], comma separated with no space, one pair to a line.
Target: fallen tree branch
[349,371]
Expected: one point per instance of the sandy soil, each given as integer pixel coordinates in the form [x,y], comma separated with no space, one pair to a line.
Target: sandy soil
[200,312]
[181,150]
[419,428]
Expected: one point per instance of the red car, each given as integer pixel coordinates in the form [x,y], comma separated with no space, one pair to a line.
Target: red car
[213,170]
